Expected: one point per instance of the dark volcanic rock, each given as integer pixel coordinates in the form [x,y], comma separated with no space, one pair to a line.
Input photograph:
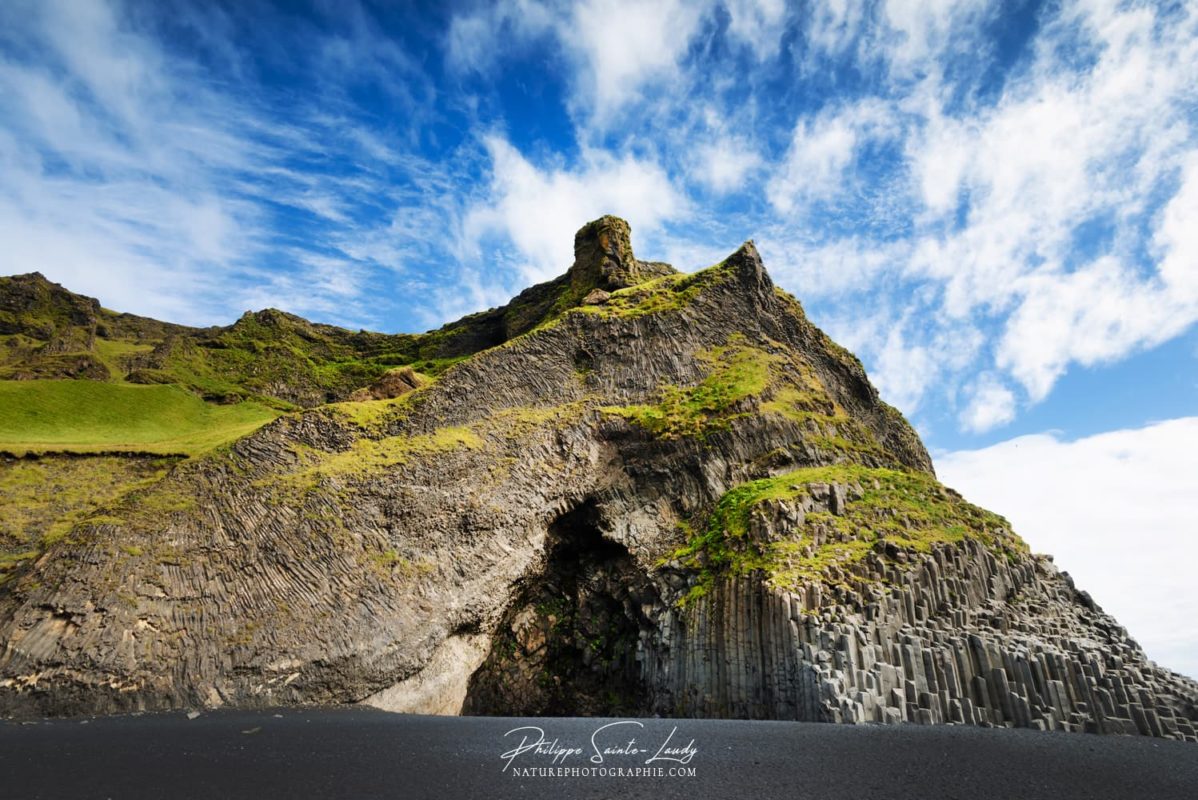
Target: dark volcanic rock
[676,497]
[603,258]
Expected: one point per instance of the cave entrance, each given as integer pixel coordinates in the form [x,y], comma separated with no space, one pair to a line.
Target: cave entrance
[567,645]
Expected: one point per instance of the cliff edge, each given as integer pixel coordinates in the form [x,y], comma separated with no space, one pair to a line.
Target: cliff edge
[631,491]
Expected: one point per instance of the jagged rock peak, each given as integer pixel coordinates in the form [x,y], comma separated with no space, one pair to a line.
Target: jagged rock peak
[681,498]
[603,257]
[270,317]
[746,263]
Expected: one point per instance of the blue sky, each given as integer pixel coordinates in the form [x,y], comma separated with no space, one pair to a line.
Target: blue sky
[994,204]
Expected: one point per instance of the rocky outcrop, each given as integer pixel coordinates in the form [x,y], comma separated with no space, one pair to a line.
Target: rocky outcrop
[962,637]
[48,332]
[603,258]
[392,384]
[668,493]
[32,307]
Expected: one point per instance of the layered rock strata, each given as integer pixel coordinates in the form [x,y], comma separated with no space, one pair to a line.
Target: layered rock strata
[655,493]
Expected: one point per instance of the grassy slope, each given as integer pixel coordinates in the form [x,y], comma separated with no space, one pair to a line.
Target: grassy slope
[910,511]
[42,498]
[271,357]
[90,417]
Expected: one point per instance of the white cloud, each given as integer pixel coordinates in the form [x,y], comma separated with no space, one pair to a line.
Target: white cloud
[1176,236]
[1097,313]
[814,167]
[835,24]
[1064,147]
[623,44]
[1116,510]
[476,40]
[906,361]
[822,149]
[816,269]
[990,404]
[686,256]
[724,164]
[758,23]
[940,161]
[615,48]
[924,28]
[903,371]
[539,209]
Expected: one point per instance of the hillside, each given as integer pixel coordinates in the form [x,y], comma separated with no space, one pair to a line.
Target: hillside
[630,491]
[270,356]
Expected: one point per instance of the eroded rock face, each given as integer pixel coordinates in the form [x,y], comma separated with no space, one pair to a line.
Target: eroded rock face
[568,643]
[677,497]
[959,637]
[394,383]
[603,258]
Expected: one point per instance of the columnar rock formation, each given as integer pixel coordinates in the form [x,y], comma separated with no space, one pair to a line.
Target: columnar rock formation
[647,492]
[963,637]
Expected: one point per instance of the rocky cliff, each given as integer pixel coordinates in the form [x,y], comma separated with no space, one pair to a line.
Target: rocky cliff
[634,491]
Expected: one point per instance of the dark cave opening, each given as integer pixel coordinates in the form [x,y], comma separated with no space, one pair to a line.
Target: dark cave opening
[567,646]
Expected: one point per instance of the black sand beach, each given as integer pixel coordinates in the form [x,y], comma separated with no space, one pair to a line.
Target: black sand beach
[358,753]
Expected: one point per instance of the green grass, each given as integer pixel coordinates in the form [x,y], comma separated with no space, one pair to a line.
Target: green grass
[372,455]
[786,385]
[368,455]
[90,416]
[800,405]
[737,371]
[657,295]
[389,563]
[114,352]
[44,498]
[371,414]
[910,511]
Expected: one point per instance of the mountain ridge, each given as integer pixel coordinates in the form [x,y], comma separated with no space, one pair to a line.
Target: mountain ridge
[47,331]
[657,492]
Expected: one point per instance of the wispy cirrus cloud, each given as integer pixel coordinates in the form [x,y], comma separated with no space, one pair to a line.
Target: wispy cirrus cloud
[137,173]
[823,160]
[614,49]
[958,190]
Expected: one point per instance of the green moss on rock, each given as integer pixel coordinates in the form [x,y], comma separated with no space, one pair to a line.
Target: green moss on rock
[737,371]
[887,512]
[44,498]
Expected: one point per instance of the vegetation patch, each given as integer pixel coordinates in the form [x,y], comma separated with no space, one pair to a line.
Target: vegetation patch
[372,455]
[519,421]
[738,371]
[94,417]
[806,401]
[786,386]
[896,511]
[373,415]
[666,293]
[116,354]
[44,498]
[390,563]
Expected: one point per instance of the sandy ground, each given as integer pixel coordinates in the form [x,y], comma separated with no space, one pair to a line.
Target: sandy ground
[359,753]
